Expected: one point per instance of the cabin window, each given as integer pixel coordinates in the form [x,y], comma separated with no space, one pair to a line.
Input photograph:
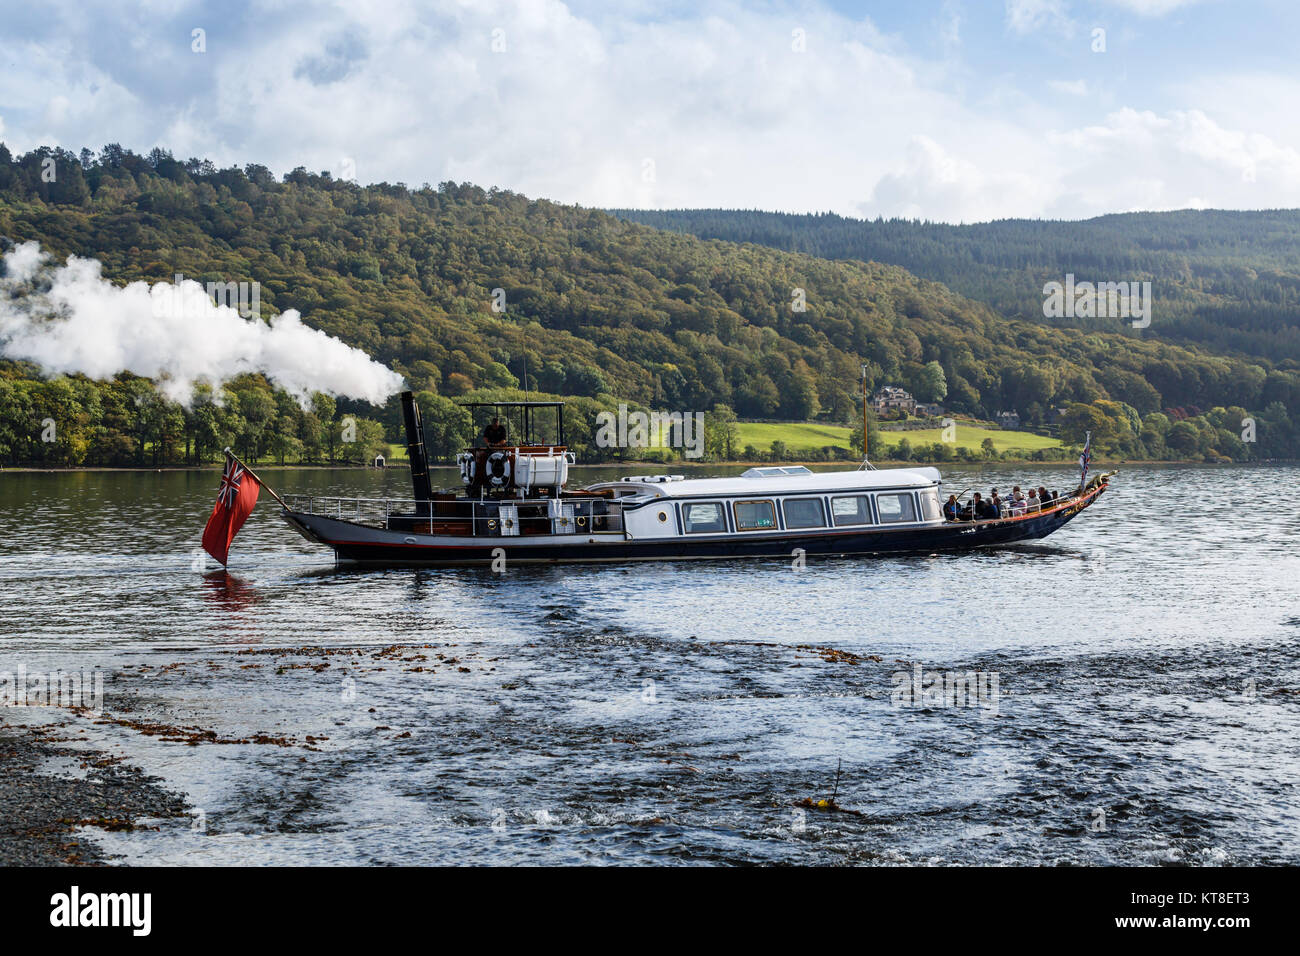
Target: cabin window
[754,515]
[930,505]
[703,517]
[852,510]
[895,508]
[804,513]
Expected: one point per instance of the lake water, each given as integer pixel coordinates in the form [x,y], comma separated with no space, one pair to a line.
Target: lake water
[1139,686]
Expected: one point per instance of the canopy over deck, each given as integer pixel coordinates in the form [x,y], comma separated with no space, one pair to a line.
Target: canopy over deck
[526,425]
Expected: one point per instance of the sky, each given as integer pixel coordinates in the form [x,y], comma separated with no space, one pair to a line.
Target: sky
[949,110]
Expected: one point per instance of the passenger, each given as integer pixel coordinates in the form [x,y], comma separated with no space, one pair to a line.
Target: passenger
[1032,503]
[495,433]
[983,510]
[1017,502]
[1044,498]
[997,504]
[952,510]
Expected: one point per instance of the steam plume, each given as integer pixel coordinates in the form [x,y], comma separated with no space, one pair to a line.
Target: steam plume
[70,319]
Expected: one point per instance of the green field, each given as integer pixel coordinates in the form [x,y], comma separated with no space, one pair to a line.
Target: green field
[973,436]
[809,435]
[806,435]
[795,435]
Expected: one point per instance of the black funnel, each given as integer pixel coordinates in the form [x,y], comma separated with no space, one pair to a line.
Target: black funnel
[415,448]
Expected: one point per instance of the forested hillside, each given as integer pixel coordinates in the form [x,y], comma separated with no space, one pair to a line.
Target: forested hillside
[594,307]
[1227,280]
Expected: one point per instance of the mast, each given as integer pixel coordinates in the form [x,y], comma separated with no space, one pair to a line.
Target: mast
[865,456]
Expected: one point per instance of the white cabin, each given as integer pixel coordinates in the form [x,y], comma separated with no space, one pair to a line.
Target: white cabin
[775,500]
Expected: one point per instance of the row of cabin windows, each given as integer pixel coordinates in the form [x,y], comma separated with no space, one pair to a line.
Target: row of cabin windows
[708,517]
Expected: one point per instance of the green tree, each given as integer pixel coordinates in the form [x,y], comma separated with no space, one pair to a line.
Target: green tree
[318,435]
[721,432]
[448,427]
[931,384]
[1184,439]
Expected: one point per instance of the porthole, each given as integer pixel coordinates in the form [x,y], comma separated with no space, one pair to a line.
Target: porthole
[663,516]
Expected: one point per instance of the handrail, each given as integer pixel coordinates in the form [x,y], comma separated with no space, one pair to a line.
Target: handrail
[300,497]
[478,516]
[1061,501]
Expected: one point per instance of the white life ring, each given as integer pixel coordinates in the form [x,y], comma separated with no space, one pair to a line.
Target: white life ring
[498,468]
[467,467]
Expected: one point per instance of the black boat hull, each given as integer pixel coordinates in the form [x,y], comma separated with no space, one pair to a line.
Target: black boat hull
[359,543]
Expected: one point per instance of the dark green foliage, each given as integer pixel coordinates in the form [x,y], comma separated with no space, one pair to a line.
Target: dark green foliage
[63,421]
[595,309]
[1226,279]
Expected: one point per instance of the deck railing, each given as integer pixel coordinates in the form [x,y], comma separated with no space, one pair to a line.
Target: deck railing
[360,510]
[470,516]
[1062,498]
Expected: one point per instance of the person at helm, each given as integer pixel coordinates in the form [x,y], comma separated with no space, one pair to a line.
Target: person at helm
[495,433]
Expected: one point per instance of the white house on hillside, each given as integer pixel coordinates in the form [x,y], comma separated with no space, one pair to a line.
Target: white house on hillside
[890,397]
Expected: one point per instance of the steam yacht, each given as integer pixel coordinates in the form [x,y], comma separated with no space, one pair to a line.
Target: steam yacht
[514,504]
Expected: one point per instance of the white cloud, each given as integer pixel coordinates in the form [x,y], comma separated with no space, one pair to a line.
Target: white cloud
[1154,8]
[723,106]
[716,97]
[1070,87]
[1141,160]
[1246,101]
[932,177]
[1031,16]
[73,102]
[950,26]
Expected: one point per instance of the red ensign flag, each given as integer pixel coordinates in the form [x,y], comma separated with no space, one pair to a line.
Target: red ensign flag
[235,500]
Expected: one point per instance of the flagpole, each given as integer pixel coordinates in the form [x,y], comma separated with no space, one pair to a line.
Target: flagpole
[257,479]
[1085,459]
[866,455]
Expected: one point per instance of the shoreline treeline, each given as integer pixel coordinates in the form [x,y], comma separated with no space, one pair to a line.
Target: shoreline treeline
[592,308]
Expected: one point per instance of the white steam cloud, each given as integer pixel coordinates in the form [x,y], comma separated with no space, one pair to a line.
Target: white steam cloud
[70,319]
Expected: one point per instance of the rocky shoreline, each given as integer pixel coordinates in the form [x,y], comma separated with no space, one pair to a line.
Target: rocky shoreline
[46,818]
